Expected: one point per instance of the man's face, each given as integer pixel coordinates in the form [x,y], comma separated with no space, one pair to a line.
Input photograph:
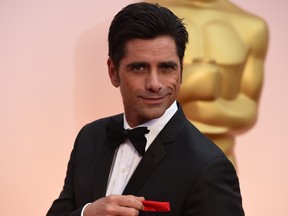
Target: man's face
[149,78]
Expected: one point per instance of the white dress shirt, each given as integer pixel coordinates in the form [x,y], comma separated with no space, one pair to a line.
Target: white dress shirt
[127,158]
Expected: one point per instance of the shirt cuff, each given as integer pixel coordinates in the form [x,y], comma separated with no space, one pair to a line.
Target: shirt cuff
[82,212]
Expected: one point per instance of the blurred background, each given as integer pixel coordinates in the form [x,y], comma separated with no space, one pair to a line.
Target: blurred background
[53,80]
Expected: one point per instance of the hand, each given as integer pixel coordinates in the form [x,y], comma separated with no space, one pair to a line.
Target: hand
[200,81]
[115,205]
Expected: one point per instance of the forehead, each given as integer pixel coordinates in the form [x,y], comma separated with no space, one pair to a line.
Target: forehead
[159,48]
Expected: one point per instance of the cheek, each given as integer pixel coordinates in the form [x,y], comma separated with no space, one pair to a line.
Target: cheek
[175,87]
[135,83]
[128,88]
[174,82]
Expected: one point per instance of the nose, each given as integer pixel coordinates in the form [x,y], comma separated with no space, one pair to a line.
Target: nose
[153,82]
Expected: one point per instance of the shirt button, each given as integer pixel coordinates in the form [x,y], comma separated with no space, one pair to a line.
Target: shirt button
[124,170]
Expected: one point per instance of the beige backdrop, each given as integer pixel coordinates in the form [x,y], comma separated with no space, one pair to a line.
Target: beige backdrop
[53,79]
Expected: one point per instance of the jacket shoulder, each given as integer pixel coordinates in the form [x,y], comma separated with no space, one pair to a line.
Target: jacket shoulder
[100,123]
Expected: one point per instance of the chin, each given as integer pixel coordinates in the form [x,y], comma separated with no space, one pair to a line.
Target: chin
[153,113]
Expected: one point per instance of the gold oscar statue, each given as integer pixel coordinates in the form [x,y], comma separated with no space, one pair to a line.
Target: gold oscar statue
[223,68]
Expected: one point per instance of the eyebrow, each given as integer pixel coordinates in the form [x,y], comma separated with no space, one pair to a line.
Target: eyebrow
[144,64]
[168,63]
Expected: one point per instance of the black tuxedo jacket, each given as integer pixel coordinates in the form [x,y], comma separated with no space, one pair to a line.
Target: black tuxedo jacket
[181,166]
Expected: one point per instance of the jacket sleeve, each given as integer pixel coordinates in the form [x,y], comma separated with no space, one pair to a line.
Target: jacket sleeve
[65,205]
[216,191]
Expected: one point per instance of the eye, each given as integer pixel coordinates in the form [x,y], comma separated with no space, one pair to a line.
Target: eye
[138,67]
[168,66]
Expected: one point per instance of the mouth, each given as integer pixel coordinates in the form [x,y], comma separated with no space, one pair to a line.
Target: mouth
[153,100]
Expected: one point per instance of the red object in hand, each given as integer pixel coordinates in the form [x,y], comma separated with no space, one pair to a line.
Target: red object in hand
[156,206]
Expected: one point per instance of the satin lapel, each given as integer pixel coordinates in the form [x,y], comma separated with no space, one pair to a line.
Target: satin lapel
[103,165]
[156,152]
[150,160]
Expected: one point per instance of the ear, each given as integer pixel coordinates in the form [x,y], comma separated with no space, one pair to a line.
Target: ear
[113,74]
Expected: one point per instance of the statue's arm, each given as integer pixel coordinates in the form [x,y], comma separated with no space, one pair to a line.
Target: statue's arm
[239,114]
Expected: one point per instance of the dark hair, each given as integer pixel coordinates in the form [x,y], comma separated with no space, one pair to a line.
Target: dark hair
[144,21]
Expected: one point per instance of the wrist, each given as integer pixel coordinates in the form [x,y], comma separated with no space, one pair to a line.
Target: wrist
[84,212]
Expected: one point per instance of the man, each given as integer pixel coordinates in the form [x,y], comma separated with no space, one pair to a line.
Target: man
[179,168]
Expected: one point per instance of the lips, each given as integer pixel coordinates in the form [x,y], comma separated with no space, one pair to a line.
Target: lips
[153,100]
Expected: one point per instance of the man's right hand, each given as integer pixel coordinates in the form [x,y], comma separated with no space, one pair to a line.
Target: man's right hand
[127,205]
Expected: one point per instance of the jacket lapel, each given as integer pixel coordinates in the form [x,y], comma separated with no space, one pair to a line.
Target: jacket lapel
[150,160]
[156,152]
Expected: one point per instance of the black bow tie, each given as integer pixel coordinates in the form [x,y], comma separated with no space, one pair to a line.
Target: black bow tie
[116,135]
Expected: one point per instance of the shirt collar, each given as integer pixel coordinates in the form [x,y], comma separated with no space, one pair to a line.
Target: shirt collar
[156,125]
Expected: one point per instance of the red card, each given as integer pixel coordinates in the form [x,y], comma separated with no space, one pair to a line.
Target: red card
[156,206]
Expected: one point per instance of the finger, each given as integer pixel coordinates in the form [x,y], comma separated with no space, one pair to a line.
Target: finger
[140,198]
[132,202]
[127,211]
